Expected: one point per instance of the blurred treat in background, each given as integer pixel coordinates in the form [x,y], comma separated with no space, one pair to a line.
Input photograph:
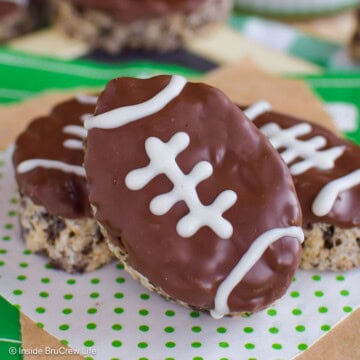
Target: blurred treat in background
[355,40]
[294,8]
[20,16]
[302,35]
[144,24]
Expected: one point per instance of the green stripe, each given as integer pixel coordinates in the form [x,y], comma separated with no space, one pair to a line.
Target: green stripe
[36,74]
[303,46]
[87,69]
[339,87]
[314,50]
[238,22]
[10,332]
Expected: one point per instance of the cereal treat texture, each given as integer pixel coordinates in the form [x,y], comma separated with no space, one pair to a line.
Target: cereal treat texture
[157,24]
[55,214]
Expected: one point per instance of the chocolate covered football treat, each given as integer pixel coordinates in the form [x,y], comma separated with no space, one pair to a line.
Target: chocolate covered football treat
[55,214]
[20,16]
[326,173]
[193,199]
[145,24]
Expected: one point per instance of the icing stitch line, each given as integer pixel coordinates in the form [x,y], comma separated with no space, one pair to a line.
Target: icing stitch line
[259,108]
[127,114]
[29,165]
[76,131]
[163,161]
[313,157]
[86,99]
[85,117]
[308,150]
[73,144]
[327,196]
[249,259]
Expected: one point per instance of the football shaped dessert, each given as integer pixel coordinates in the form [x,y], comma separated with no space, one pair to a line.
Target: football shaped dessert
[55,214]
[192,197]
[145,24]
[326,173]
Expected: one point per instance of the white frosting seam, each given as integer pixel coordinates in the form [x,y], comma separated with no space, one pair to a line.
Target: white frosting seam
[76,131]
[86,99]
[327,196]
[29,165]
[257,109]
[73,144]
[248,260]
[127,114]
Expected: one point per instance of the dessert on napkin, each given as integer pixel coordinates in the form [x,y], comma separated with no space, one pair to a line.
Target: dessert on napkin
[55,214]
[188,193]
[191,196]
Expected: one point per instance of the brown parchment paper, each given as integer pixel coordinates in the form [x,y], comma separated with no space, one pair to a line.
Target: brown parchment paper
[37,344]
[342,343]
[245,84]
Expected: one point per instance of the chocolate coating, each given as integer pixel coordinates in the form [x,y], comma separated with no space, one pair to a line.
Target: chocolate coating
[346,210]
[61,193]
[8,8]
[191,269]
[130,10]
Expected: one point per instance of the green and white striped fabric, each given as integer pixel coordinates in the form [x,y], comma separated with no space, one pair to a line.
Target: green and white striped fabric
[24,76]
[295,8]
[285,38]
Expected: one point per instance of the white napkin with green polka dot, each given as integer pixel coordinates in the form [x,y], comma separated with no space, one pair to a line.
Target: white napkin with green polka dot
[107,315]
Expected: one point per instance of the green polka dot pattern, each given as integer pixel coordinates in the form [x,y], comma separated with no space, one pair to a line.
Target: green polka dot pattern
[109,312]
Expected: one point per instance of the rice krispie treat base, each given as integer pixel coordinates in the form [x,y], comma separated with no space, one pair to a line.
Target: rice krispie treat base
[74,245]
[101,30]
[328,247]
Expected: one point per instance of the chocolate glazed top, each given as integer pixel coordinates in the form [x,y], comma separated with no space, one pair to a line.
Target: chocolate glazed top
[132,10]
[191,269]
[346,211]
[8,8]
[61,193]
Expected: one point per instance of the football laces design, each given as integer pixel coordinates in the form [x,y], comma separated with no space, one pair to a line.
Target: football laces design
[306,155]
[163,161]
[74,144]
[307,150]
